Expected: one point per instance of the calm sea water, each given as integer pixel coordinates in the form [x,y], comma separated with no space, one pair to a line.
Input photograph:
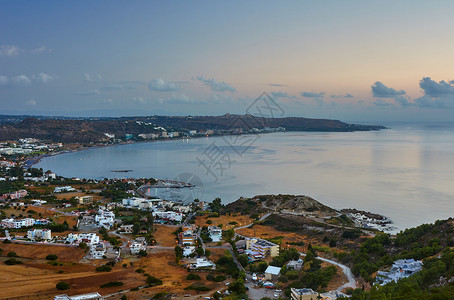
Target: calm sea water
[405,173]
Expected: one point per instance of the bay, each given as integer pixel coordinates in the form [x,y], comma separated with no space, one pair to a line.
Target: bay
[405,173]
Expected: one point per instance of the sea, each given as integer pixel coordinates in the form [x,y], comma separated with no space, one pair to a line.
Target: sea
[405,172]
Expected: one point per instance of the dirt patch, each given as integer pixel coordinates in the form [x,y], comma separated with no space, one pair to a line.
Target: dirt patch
[164,235]
[240,220]
[37,251]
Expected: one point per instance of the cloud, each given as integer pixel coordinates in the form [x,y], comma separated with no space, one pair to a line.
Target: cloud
[20,80]
[4,80]
[9,50]
[280,94]
[348,95]
[402,101]
[275,84]
[40,50]
[89,92]
[312,95]
[32,102]
[44,78]
[432,88]
[217,86]
[163,86]
[379,90]
[95,78]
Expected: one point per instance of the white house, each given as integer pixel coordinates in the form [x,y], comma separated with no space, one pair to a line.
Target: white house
[105,218]
[98,250]
[72,237]
[203,263]
[39,234]
[133,201]
[168,215]
[15,223]
[88,238]
[61,189]
[188,250]
[136,247]
[89,296]
[215,233]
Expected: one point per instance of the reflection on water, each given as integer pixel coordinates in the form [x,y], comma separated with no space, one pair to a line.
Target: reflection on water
[404,173]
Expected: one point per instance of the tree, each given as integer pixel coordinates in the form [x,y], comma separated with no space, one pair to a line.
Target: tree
[62,286]
[243,259]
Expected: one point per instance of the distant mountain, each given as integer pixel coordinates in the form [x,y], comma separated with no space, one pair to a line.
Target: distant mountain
[92,130]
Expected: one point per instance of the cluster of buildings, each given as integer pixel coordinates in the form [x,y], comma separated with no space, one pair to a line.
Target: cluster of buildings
[26,222]
[215,233]
[138,245]
[163,210]
[14,195]
[401,268]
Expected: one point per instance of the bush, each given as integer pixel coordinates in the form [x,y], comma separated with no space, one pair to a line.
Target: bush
[12,261]
[111,284]
[62,286]
[11,254]
[103,269]
[51,257]
[153,281]
[219,278]
[210,277]
[192,276]
[199,287]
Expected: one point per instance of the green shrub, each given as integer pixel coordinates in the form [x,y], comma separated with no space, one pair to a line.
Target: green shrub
[111,284]
[11,254]
[51,257]
[192,276]
[103,269]
[12,261]
[62,286]
[153,281]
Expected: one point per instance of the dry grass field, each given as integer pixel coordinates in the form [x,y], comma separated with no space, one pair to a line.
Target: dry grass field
[164,235]
[225,220]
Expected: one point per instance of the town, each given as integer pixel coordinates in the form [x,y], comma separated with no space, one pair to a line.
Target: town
[85,227]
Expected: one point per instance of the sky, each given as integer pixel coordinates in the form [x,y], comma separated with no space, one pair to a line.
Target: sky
[369,61]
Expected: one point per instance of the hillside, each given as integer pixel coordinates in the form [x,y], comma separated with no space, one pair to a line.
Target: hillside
[92,130]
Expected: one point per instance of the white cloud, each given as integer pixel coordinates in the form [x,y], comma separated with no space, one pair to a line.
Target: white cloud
[21,80]
[32,102]
[41,49]
[138,99]
[43,77]
[4,80]
[163,86]
[217,86]
[92,78]
[9,50]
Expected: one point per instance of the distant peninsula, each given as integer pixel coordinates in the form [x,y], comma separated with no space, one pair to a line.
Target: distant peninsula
[99,130]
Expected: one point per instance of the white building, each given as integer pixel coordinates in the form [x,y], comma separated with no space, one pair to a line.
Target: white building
[303,294]
[97,251]
[168,215]
[215,233]
[15,223]
[89,296]
[39,234]
[136,247]
[72,238]
[401,268]
[88,238]
[203,263]
[133,201]
[61,189]
[188,250]
[105,218]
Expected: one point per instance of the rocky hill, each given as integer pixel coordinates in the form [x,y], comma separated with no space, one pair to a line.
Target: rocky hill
[92,130]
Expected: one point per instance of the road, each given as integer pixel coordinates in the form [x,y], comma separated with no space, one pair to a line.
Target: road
[261,219]
[351,279]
